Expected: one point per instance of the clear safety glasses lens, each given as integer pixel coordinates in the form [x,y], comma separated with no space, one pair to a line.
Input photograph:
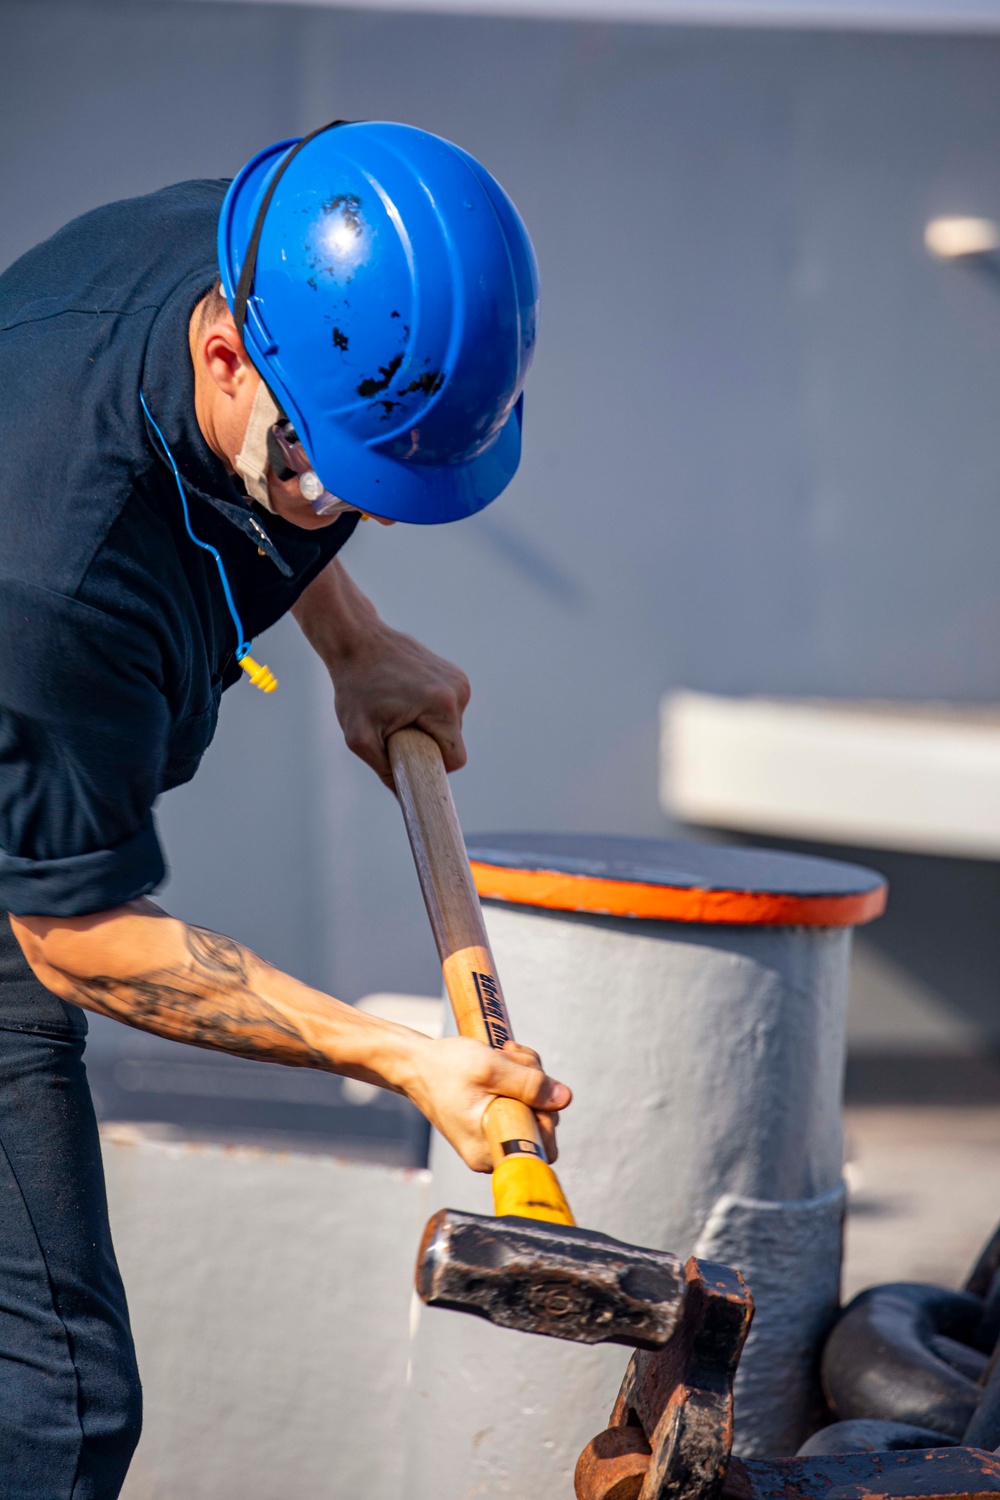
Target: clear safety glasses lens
[311,487]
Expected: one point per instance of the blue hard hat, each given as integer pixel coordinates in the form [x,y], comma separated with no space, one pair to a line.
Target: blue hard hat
[391,298]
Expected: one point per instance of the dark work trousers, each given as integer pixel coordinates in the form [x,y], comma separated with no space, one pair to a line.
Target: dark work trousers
[70,1399]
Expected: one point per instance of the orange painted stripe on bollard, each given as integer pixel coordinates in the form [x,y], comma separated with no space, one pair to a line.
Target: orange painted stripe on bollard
[626,898]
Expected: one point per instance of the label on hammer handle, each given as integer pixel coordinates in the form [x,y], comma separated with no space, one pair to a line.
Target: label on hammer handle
[493,1010]
[521,1148]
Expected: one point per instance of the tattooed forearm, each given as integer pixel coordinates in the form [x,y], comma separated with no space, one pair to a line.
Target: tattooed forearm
[217,954]
[208,1000]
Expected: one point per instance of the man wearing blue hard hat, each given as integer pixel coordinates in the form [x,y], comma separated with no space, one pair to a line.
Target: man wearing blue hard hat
[203,392]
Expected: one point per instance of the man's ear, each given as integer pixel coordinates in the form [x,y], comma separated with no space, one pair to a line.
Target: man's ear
[224,357]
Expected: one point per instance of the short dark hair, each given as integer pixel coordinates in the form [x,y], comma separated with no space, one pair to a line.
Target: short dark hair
[213,305]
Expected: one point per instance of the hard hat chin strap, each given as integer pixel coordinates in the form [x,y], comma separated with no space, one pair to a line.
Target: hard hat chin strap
[242,293]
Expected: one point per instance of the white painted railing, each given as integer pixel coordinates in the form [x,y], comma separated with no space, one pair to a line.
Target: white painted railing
[922,777]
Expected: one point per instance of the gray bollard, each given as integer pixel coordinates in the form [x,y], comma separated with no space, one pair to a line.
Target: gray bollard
[694,997]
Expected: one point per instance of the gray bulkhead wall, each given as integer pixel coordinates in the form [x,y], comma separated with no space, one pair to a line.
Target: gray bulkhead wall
[762,437]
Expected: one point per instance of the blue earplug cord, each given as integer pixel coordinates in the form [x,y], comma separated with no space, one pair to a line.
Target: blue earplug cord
[262,677]
[242,645]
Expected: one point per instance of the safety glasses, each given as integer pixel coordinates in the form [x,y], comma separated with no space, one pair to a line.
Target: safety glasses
[287,458]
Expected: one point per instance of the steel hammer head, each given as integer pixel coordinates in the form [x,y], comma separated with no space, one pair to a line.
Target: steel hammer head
[546,1278]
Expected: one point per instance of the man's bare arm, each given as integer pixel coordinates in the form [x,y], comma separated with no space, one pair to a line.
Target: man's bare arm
[383,680]
[145,968]
[141,966]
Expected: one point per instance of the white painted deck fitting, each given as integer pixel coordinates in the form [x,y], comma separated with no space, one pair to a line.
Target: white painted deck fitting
[920,777]
[270,1299]
[247,1398]
[706,1060]
[790,1255]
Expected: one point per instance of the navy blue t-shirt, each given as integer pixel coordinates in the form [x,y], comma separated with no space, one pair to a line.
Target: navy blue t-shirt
[115,640]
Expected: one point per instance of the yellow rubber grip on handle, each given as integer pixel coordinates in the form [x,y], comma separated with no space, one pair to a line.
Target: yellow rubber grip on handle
[528,1187]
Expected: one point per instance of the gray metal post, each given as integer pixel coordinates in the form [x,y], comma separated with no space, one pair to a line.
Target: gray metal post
[707,1062]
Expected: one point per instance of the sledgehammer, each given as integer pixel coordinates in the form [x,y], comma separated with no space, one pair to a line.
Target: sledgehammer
[529,1268]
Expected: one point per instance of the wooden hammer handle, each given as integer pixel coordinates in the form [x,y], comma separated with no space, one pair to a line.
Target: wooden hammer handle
[456,918]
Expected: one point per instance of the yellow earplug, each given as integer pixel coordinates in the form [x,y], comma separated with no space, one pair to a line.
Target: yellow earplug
[262,677]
